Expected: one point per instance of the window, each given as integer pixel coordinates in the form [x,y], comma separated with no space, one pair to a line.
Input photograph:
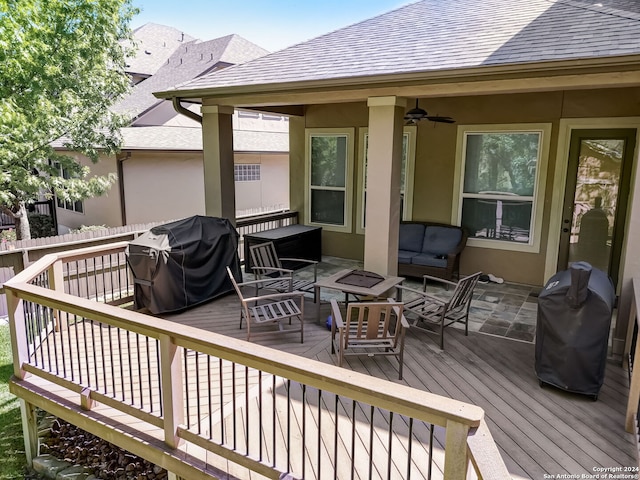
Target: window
[74,206]
[329,172]
[501,172]
[406,175]
[77,206]
[246,172]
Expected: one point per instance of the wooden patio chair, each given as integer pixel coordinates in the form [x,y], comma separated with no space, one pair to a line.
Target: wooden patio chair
[433,311]
[267,266]
[277,309]
[369,328]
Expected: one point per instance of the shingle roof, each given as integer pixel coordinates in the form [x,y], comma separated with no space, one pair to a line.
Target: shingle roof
[189,61]
[154,45]
[432,35]
[190,139]
[161,138]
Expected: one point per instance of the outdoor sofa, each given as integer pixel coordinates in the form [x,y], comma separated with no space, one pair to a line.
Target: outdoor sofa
[428,248]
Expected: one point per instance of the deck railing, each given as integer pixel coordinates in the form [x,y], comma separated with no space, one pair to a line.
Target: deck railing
[632,424]
[14,256]
[222,403]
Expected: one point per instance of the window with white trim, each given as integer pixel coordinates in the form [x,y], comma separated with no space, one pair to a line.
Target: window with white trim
[329,162]
[501,175]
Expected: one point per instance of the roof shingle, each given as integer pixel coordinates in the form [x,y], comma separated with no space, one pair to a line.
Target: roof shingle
[432,35]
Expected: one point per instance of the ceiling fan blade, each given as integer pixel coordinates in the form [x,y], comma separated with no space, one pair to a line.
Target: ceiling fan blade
[440,119]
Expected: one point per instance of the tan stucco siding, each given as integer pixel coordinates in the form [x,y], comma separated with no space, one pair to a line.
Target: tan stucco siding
[104,210]
[272,190]
[435,161]
[163,186]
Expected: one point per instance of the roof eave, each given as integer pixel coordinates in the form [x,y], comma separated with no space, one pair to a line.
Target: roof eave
[516,70]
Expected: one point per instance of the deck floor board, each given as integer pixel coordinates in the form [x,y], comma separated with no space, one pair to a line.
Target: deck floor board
[538,430]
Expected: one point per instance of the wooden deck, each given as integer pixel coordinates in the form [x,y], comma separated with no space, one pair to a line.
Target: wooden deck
[538,431]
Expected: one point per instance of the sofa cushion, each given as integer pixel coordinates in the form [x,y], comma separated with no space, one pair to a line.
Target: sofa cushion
[429,260]
[411,237]
[441,240]
[405,256]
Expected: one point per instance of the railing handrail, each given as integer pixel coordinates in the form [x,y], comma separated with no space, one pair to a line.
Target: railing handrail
[456,416]
[257,219]
[374,391]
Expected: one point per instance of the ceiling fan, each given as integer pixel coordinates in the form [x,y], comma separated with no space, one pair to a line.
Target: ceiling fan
[416,114]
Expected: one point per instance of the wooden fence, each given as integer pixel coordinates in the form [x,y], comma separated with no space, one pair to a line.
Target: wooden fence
[16,256]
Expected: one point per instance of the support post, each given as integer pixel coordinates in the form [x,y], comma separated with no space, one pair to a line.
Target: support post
[172,390]
[384,165]
[18,332]
[217,144]
[456,459]
[29,430]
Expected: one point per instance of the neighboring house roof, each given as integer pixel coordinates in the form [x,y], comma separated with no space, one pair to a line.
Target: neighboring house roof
[189,61]
[162,138]
[154,45]
[436,35]
[190,139]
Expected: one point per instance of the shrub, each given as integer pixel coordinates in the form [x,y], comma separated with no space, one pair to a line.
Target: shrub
[41,225]
[88,228]
[8,235]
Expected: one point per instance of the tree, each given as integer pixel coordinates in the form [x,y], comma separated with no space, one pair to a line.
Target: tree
[61,68]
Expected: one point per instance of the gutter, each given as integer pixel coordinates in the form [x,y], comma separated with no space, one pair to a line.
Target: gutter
[123,208]
[184,111]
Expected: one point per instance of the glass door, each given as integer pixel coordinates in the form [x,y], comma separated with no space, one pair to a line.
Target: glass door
[596,198]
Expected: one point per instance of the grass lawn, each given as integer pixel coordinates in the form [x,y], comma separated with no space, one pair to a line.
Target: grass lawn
[12,459]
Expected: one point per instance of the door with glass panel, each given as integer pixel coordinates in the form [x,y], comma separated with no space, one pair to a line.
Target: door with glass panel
[597,190]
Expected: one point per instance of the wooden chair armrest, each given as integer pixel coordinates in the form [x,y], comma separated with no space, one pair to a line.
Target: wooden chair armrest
[275,296]
[436,279]
[402,288]
[424,295]
[273,269]
[303,260]
[336,315]
[309,264]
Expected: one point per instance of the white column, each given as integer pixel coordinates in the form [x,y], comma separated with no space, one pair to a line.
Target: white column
[384,165]
[217,144]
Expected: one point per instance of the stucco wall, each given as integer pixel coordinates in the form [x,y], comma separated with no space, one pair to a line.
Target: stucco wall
[104,210]
[435,160]
[272,190]
[163,186]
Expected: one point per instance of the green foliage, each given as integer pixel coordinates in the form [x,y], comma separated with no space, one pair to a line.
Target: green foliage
[12,458]
[41,225]
[502,162]
[8,235]
[62,68]
[328,160]
[88,228]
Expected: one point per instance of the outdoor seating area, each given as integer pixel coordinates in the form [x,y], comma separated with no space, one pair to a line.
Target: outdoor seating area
[222,389]
[537,430]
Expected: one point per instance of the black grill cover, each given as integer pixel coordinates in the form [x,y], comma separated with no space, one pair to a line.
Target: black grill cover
[183,263]
[574,318]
